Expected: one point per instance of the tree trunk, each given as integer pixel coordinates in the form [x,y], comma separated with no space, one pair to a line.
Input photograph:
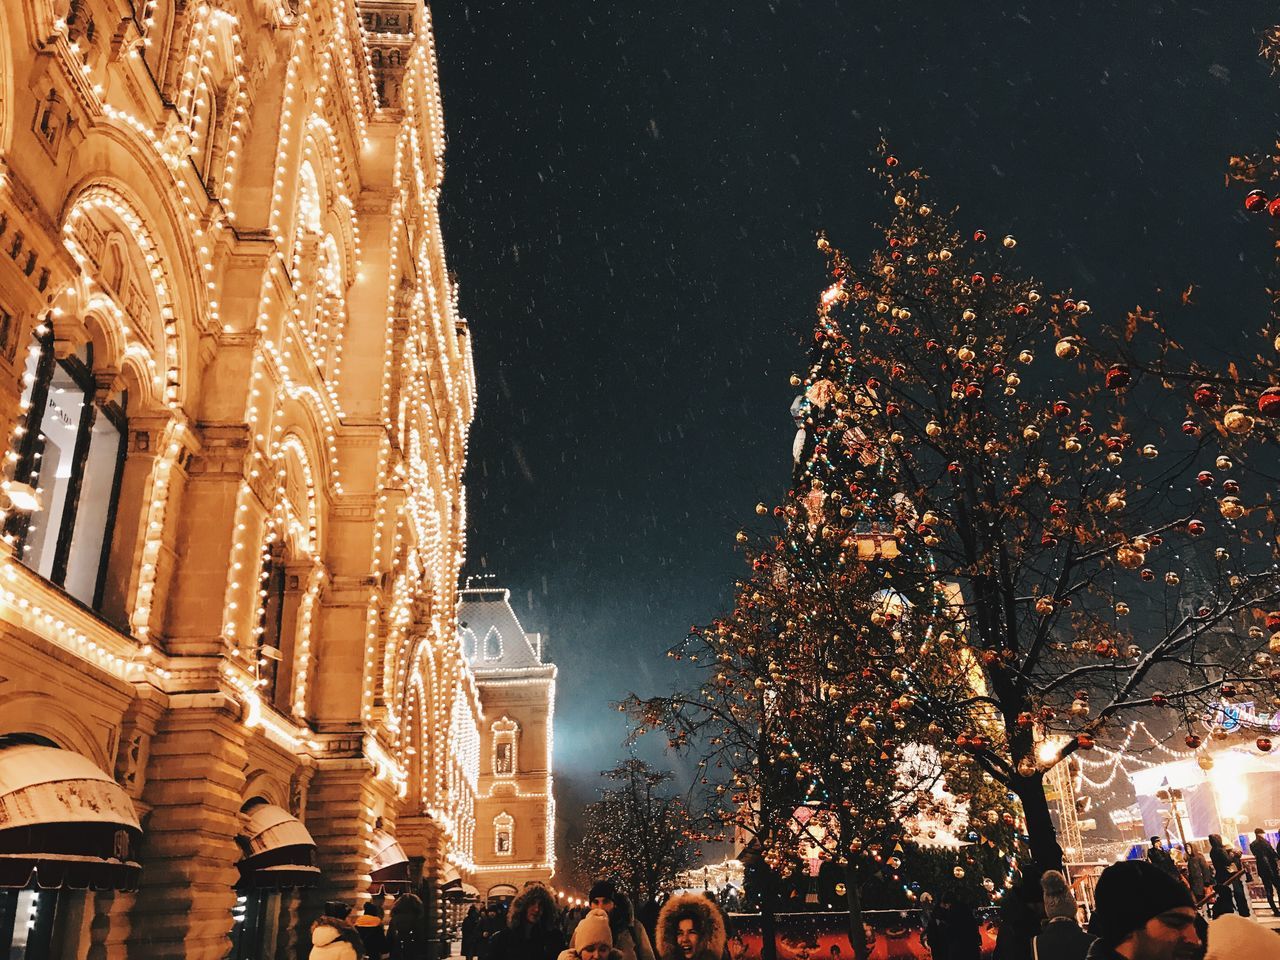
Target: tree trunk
[768,930]
[1045,849]
[853,897]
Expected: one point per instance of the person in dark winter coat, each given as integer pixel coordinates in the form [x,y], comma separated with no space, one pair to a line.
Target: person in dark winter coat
[1061,937]
[1228,882]
[690,927]
[593,937]
[629,936]
[372,934]
[1162,858]
[1142,913]
[407,932]
[1199,873]
[471,933]
[1264,855]
[953,930]
[531,932]
[492,922]
[1021,914]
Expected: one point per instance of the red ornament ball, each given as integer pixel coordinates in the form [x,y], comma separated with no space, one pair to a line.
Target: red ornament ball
[1273,207]
[1118,376]
[891,161]
[1206,395]
[979,236]
[1264,744]
[1269,402]
[1255,201]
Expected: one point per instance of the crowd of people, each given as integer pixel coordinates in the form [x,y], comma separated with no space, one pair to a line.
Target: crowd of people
[335,936]
[1219,881]
[1146,909]
[1143,910]
[688,927]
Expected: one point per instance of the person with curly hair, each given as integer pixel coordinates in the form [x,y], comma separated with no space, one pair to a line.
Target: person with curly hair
[532,932]
[690,927]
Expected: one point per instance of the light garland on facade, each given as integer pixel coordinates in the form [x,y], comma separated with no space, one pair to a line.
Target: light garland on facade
[295,329]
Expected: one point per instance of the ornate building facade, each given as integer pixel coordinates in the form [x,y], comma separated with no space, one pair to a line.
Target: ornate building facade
[515,800]
[234,396]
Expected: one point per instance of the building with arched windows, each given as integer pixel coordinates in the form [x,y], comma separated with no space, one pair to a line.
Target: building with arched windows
[515,802]
[234,400]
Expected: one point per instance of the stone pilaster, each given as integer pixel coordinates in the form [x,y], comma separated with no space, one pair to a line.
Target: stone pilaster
[194,787]
[341,811]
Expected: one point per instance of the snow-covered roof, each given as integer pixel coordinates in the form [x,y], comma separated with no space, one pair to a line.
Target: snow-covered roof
[492,638]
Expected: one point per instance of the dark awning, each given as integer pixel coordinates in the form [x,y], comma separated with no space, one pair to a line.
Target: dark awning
[458,890]
[63,822]
[279,852]
[390,869]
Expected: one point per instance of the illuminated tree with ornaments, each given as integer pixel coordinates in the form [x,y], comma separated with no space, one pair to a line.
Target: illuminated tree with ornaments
[638,833]
[808,760]
[1062,545]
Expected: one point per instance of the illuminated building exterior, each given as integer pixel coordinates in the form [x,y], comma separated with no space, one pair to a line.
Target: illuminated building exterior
[234,396]
[515,802]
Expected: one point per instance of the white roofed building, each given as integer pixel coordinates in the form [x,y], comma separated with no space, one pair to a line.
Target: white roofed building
[515,806]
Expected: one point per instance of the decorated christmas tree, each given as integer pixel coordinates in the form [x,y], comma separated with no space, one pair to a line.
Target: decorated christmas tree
[1003,536]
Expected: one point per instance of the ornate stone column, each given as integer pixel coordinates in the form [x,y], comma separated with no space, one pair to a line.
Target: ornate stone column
[194,784]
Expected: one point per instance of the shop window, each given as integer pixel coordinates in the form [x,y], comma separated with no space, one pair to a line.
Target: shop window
[40,924]
[72,453]
[255,924]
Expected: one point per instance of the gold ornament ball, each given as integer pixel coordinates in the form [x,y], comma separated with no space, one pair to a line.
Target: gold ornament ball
[1010,243]
[1237,420]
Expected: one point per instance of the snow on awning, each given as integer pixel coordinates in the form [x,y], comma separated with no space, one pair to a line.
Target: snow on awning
[279,852]
[63,821]
[390,868]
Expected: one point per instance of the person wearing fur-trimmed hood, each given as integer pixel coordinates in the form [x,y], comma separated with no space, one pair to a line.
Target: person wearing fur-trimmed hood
[690,927]
[532,932]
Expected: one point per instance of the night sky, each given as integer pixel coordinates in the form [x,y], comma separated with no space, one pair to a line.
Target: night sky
[631,197]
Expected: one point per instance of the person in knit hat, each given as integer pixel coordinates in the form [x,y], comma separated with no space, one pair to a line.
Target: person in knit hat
[1061,937]
[1142,913]
[592,939]
[1233,937]
[629,935]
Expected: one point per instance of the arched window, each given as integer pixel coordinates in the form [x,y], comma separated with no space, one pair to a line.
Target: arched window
[71,454]
[493,644]
[503,834]
[281,598]
[469,643]
[504,747]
